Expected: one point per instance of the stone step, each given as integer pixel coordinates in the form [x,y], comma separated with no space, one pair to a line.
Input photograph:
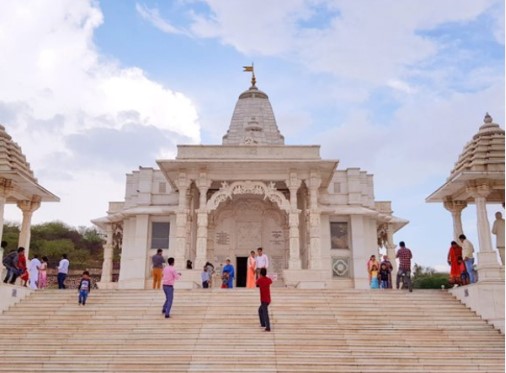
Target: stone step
[323,331]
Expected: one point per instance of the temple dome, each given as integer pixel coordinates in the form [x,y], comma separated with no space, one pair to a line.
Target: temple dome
[253,121]
[485,152]
[12,160]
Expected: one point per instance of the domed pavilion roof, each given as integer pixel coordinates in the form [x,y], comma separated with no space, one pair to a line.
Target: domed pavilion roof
[480,164]
[485,152]
[12,158]
[253,121]
[17,180]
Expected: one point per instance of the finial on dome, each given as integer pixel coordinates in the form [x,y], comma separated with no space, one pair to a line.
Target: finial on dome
[487,119]
[252,69]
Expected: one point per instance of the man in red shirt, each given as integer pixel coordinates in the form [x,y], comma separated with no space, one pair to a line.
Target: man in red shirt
[264,284]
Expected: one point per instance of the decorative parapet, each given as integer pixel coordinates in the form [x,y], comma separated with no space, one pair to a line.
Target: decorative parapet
[383,207]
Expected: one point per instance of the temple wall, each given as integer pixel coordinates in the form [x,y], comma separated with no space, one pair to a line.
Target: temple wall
[133,255]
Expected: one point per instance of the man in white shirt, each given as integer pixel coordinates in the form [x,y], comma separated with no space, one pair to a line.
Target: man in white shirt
[33,271]
[63,270]
[467,255]
[262,261]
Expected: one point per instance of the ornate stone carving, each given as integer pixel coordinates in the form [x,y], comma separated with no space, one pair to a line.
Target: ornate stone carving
[117,236]
[341,267]
[227,191]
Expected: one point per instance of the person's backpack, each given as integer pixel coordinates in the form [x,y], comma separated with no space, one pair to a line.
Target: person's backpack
[10,260]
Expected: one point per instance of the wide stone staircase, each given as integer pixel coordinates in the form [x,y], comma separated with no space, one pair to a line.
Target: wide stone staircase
[218,331]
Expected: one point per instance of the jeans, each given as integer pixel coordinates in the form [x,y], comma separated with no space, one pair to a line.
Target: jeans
[469,262]
[406,279]
[169,296]
[61,280]
[205,284]
[12,275]
[263,314]
[83,295]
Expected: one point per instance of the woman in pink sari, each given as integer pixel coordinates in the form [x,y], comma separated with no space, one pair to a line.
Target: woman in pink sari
[43,273]
[251,274]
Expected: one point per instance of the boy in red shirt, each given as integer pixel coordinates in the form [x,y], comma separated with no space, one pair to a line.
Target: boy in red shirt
[264,284]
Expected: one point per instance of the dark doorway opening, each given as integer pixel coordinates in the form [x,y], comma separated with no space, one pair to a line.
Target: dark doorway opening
[241,271]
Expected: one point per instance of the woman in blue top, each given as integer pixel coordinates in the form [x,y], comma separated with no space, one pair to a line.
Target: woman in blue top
[229,269]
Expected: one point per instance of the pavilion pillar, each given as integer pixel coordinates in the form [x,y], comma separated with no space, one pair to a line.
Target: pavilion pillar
[390,245]
[489,268]
[314,183]
[2,208]
[202,222]
[455,208]
[293,184]
[27,207]
[5,190]
[106,277]
[183,185]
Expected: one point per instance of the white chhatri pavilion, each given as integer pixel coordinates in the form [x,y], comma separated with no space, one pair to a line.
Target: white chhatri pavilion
[478,177]
[18,185]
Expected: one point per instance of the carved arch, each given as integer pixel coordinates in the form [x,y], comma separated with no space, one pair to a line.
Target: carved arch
[248,187]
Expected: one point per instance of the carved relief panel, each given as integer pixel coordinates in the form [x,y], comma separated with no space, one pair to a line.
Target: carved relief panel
[246,223]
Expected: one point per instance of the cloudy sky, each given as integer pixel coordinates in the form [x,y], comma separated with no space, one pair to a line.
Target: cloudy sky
[91,90]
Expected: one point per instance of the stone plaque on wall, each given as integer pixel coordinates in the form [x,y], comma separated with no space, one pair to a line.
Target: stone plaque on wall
[222,238]
[339,235]
[276,238]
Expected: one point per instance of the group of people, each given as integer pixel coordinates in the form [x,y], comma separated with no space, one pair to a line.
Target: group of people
[461,261]
[380,274]
[170,276]
[33,275]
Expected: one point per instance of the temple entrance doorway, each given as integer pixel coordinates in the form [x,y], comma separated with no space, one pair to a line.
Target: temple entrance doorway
[241,271]
[246,223]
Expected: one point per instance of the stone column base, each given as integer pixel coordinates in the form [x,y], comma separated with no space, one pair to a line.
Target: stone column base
[489,268]
[107,285]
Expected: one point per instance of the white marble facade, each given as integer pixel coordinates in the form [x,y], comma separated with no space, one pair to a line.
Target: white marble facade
[317,224]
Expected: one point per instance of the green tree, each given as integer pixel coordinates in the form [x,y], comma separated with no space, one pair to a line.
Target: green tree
[428,278]
[83,245]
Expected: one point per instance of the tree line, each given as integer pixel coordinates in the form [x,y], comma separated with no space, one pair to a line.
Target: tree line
[83,245]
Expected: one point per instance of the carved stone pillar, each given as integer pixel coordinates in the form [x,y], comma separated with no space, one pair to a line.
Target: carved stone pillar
[294,259]
[27,207]
[314,183]
[456,207]
[2,208]
[106,277]
[488,266]
[202,222]
[390,245]
[183,185]
[5,189]
[293,184]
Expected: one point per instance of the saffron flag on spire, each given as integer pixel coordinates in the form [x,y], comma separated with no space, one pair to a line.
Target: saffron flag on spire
[248,68]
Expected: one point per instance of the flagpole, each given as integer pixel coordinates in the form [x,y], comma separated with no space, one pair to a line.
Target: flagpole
[253,79]
[252,69]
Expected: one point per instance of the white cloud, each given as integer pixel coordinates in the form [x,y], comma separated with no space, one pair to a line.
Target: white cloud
[372,41]
[55,83]
[153,15]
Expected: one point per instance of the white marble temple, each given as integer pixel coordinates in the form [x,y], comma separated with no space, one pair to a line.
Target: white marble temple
[317,224]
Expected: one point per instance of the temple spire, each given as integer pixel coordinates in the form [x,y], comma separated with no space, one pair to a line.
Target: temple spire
[252,69]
